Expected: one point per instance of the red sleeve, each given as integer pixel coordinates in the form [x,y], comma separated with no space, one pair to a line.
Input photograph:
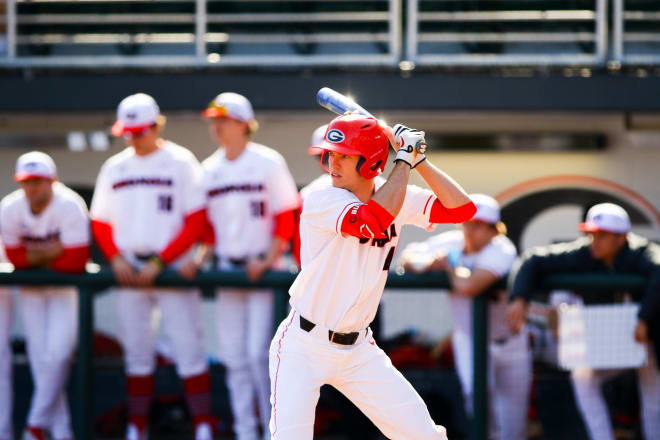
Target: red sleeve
[208,236]
[367,221]
[441,214]
[284,225]
[17,256]
[193,230]
[295,240]
[102,233]
[72,260]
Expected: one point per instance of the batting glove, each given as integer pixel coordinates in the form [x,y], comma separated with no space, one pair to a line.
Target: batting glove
[412,145]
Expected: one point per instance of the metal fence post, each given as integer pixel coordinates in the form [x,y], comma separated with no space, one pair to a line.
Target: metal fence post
[11,28]
[85,393]
[200,28]
[479,429]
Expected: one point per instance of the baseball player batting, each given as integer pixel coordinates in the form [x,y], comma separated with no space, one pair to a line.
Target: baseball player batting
[147,212]
[349,233]
[251,198]
[475,258]
[45,224]
[5,358]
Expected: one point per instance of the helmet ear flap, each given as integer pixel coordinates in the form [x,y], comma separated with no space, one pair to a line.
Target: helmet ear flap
[324,160]
[359,164]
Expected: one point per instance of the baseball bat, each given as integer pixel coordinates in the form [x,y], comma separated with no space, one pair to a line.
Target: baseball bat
[338,103]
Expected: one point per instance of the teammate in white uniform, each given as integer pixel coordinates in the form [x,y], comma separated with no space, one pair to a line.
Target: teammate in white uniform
[147,212]
[45,224]
[250,201]
[5,357]
[348,234]
[476,258]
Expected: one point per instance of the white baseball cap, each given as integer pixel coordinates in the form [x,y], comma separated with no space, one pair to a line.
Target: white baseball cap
[135,114]
[488,210]
[317,140]
[606,217]
[35,164]
[230,105]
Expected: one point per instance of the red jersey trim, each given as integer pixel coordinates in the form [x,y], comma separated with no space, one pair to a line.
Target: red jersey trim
[73,260]
[17,256]
[343,213]
[103,236]
[193,228]
[441,214]
[285,225]
[427,203]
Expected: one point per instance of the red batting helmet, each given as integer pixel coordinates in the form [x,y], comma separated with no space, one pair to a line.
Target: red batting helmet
[357,135]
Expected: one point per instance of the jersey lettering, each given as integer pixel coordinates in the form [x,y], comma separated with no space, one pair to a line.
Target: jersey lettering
[165,202]
[258,208]
[153,181]
[381,242]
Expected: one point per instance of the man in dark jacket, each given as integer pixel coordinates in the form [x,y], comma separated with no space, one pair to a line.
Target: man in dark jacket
[608,247]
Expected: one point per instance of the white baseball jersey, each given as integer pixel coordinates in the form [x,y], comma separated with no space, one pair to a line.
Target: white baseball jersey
[323,181]
[342,277]
[497,258]
[64,219]
[146,198]
[243,195]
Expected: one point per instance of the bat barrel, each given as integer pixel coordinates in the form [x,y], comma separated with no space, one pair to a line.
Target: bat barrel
[338,103]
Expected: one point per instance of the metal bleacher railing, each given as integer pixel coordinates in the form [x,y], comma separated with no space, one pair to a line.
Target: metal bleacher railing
[202,32]
[528,32]
[196,33]
[96,280]
[636,33]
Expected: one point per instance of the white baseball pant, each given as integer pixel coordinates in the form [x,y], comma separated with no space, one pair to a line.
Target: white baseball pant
[50,318]
[245,328]
[301,362]
[5,363]
[509,378]
[587,384]
[181,315]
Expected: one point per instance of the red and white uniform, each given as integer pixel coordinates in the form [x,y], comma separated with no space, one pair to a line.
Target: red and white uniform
[144,206]
[249,200]
[5,358]
[509,363]
[339,288]
[50,314]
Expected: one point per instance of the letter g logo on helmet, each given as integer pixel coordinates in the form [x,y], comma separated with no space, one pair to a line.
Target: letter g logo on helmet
[335,136]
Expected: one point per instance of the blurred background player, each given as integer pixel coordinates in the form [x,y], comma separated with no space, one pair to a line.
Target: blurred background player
[46,225]
[251,198]
[147,212]
[475,259]
[608,247]
[6,313]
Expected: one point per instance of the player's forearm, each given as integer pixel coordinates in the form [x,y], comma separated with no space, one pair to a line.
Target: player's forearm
[390,196]
[275,251]
[42,258]
[446,189]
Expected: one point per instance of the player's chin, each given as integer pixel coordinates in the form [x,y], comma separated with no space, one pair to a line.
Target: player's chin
[337,181]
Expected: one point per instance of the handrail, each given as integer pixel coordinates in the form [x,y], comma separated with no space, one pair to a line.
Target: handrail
[97,279]
[433,38]
[205,34]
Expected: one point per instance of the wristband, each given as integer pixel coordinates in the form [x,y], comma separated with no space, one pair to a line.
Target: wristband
[157,261]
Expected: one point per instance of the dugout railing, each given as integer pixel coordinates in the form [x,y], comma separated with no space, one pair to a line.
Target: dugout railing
[170,33]
[636,32]
[96,280]
[340,33]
